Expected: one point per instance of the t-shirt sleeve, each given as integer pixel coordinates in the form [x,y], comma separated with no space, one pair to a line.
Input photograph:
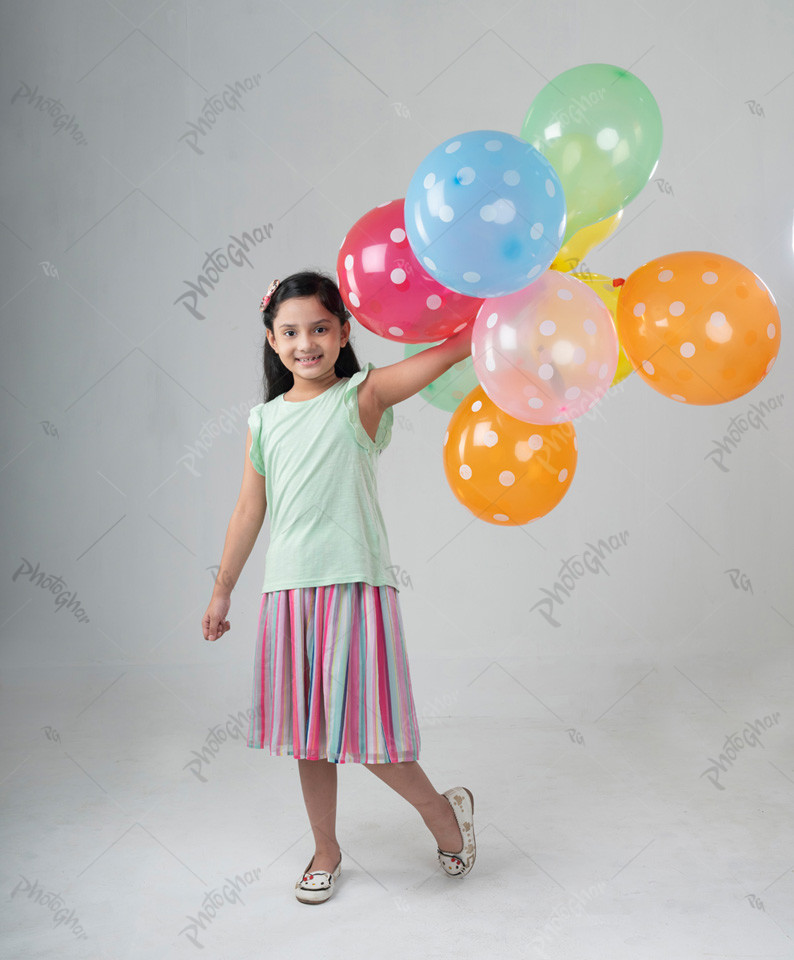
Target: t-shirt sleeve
[255,452]
[350,396]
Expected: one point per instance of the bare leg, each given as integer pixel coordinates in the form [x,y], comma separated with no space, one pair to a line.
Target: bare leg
[318,782]
[409,780]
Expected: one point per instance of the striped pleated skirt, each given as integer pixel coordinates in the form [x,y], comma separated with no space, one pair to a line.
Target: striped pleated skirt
[331,676]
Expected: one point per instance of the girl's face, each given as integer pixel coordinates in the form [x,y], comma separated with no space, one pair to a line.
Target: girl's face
[308,338]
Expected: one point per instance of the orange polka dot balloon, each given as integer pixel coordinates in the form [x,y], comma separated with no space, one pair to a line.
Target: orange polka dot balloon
[698,327]
[506,471]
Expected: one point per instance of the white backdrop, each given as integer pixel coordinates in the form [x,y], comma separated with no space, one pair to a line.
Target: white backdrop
[128,370]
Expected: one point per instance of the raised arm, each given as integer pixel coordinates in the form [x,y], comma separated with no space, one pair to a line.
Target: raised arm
[398,381]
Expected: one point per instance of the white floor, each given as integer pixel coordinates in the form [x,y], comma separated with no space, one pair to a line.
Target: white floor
[611,840]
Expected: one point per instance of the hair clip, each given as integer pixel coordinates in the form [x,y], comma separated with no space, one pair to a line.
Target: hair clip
[266,299]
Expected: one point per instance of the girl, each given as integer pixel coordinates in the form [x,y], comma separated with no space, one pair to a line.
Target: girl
[331,679]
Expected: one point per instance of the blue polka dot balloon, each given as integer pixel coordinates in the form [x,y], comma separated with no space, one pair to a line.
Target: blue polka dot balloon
[485,213]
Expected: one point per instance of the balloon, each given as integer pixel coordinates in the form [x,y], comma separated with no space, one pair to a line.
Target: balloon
[606,288]
[504,470]
[582,242]
[485,213]
[547,353]
[698,327]
[384,287]
[600,128]
[447,391]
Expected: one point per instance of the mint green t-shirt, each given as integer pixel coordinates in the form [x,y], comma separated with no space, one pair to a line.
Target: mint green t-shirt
[319,465]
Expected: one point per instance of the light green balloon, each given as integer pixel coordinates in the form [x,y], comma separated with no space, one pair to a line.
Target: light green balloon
[452,386]
[600,128]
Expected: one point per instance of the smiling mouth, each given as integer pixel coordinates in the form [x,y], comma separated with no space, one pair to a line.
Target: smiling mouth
[308,359]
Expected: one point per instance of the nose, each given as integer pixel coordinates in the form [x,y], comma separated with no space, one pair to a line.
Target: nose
[305,342]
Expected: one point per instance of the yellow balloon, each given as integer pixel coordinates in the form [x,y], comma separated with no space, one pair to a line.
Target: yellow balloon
[608,291]
[574,250]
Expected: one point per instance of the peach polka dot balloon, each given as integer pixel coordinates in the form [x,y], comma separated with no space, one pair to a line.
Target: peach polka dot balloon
[386,289]
[506,471]
[547,353]
[698,327]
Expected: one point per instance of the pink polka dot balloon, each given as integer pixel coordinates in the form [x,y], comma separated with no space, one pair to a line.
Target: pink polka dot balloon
[386,289]
[547,353]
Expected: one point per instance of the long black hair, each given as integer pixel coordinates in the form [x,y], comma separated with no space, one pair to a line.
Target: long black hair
[276,379]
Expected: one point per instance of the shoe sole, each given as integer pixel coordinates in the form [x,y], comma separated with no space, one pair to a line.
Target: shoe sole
[314,902]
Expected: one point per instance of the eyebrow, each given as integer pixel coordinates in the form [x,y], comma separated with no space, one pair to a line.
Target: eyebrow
[286,325]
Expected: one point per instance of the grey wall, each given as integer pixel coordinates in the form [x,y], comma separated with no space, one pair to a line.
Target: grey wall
[125,412]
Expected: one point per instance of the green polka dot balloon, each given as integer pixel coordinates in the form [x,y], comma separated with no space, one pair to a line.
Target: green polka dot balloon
[447,391]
